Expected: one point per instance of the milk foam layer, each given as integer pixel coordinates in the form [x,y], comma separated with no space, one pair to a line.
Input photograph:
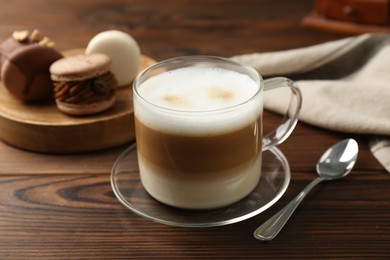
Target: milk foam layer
[200,92]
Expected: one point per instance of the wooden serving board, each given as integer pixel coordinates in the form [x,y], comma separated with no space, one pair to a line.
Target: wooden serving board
[41,127]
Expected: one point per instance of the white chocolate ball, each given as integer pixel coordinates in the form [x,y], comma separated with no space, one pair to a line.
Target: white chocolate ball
[124,53]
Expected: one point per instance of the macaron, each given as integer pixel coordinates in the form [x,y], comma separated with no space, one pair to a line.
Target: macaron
[25,63]
[124,53]
[83,84]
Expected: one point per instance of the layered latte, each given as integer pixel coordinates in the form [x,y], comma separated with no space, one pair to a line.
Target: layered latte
[199,133]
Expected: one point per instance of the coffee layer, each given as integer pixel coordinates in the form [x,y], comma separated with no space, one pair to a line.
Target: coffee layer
[197,155]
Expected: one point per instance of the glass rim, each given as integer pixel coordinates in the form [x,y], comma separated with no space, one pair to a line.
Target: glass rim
[194,59]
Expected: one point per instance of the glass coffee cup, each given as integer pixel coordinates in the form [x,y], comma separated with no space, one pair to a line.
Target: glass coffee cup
[198,122]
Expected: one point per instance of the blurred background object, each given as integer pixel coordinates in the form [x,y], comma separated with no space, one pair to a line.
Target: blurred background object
[350,16]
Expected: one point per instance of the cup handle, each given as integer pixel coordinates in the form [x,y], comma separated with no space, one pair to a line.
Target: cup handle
[280,134]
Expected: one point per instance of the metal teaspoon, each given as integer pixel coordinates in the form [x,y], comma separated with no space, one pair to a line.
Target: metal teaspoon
[335,163]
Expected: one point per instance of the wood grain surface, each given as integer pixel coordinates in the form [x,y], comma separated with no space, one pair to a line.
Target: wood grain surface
[63,207]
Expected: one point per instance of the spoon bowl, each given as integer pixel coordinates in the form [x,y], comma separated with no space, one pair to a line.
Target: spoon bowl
[335,163]
[338,160]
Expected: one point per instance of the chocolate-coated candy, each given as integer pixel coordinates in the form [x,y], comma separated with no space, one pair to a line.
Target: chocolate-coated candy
[25,72]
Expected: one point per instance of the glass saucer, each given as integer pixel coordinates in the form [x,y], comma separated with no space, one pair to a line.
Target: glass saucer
[129,190]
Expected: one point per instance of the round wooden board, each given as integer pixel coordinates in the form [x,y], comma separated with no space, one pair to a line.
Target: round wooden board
[41,127]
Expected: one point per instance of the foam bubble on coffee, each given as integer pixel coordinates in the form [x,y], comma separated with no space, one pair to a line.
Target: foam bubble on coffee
[198,89]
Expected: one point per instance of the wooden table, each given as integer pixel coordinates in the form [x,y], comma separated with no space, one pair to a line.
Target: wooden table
[62,206]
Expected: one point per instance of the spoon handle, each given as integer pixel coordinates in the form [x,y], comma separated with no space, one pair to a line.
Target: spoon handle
[269,229]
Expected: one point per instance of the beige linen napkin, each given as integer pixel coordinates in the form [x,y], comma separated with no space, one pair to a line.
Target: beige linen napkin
[345,86]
